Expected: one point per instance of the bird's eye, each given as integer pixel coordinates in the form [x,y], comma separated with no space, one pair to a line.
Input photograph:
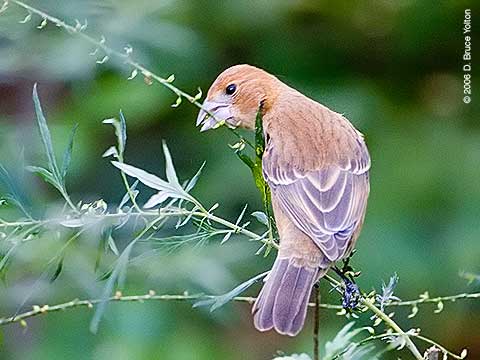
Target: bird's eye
[230,89]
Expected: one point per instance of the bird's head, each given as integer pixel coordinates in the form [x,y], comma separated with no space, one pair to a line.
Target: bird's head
[236,95]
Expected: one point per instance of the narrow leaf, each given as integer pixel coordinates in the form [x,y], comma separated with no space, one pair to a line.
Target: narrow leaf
[246,160]
[45,175]
[111,151]
[133,75]
[240,217]
[117,274]
[45,135]
[15,193]
[67,155]
[126,197]
[5,259]
[122,138]
[112,245]
[221,300]
[226,237]
[193,181]
[261,217]
[170,169]
[146,178]
[177,102]
[160,198]
[100,251]
[259,139]
[26,19]
[73,223]
[58,271]
[120,133]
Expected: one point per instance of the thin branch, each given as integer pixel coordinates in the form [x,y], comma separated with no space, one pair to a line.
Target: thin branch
[201,213]
[316,323]
[389,335]
[385,318]
[438,299]
[100,44]
[118,297]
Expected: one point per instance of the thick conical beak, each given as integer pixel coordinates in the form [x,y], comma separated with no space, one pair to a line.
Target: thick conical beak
[213,114]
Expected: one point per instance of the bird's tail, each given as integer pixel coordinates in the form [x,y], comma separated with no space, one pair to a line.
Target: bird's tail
[282,302]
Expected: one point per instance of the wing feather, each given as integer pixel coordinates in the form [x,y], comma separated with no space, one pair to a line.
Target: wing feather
[326,202]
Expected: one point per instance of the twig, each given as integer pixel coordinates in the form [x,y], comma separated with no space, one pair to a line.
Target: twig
[390,334]
[316,323]
[368,302]
[151,296]
[100,44]
[385,318]
[438,299]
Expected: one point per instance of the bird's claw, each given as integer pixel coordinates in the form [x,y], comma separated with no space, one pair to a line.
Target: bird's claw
[351,295]
[351,292]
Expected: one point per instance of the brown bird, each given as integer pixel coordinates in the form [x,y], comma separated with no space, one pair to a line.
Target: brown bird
[316,164]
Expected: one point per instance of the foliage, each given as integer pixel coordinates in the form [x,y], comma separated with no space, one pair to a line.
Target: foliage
[122,230]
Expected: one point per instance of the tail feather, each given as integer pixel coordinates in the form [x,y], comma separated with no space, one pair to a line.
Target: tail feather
[282,302]
[263,307]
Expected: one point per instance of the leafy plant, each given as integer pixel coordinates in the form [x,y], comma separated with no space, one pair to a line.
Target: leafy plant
[174,200]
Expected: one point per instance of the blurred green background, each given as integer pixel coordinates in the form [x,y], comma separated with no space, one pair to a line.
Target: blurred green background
[393,69]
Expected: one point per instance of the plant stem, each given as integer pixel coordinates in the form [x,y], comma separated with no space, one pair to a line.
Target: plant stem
[385,318]
[129,190]
[69,201]
[393,325]
[42,310]
[316,323]
[100,44]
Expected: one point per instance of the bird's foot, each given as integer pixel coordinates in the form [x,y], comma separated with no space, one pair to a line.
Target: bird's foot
[351,292]
[351,296]
[347,270]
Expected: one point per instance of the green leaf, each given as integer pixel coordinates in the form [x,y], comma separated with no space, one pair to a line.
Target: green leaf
[106,275]
[160,197]
[118,275]
[146,178]
[15,194]
[111,151]
[58,271]
[259,139]
[112,245]
[226,237]
[342,344]
[221,300]
[229,234]
[177,102]
[261,217]
[120,127]
[67,155]
[45,175]
[246,160]
[98,258]
[46,137]
[126,197]
[170,169]
[240,217]
[6,258]
[73,223]
[193,181]
[122,136]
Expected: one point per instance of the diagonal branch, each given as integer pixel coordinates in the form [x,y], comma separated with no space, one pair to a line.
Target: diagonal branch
[149,75]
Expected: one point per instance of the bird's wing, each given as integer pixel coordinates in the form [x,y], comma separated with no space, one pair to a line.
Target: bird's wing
[322,188]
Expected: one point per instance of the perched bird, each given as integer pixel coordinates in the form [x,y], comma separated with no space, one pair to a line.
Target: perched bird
[316,165]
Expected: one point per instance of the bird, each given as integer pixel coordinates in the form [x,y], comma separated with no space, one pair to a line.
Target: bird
[316,164]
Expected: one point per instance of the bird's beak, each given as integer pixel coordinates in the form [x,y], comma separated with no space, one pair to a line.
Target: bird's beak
[214,114]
